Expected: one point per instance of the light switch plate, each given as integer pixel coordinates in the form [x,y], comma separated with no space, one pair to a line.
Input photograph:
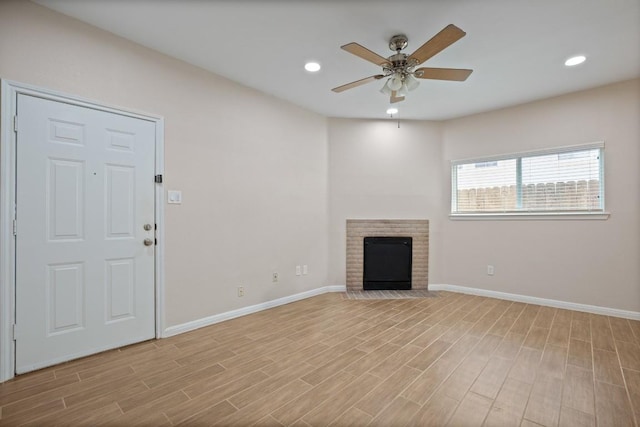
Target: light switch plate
[174,197]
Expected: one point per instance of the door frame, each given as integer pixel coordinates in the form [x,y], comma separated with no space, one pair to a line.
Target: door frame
[9,91]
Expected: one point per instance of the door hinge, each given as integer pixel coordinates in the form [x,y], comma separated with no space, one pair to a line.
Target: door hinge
[158,179]
[15,123]
[14,332]
[15,227]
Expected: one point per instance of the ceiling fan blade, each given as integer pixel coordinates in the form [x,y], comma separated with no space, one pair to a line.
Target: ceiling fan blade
[357,83]
[365,53]
[445,38]
[395,98]
[454,74]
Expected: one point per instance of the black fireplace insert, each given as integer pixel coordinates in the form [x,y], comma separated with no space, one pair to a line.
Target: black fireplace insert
[387,263]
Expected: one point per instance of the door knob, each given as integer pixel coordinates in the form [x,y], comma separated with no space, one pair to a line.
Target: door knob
[148,227]
[148,242]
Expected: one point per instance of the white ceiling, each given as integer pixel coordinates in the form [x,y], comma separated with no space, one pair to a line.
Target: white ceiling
[516,48]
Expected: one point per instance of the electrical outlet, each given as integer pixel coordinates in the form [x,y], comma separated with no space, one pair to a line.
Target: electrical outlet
[298,270]
[490,270]
[305,269]
[274,276]
[240,291]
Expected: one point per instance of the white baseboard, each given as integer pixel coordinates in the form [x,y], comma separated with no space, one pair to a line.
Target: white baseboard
[217,318]
[634,315]
[211,320]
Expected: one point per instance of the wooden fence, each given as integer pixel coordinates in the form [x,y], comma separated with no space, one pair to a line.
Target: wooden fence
[558,196]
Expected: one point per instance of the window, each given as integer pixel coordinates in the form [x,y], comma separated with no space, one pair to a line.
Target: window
[557,181]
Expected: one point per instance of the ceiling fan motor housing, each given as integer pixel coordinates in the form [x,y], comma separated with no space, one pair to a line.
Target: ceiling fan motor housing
[399,63]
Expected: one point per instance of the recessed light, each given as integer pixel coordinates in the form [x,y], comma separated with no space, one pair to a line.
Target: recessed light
[575,60]
[392,111]
[312,66]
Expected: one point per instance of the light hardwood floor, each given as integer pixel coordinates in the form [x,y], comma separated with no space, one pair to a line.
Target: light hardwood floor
[456,360]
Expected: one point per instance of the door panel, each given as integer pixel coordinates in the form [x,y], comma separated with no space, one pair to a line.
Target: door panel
[84,279]
[65,199]
[120,289]
[65,296]
[120,192]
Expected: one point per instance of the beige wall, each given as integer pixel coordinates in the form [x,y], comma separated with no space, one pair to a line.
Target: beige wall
[380,171]
[252,169]
[587,262]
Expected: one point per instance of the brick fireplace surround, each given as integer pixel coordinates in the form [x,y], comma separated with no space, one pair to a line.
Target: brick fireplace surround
[358,229]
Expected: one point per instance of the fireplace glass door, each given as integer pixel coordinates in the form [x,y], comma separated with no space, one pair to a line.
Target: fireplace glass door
[387,263]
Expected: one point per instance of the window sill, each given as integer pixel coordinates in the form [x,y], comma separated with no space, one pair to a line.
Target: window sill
[530,216]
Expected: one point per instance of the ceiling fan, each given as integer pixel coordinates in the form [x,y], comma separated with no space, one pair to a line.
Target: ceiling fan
[400,68]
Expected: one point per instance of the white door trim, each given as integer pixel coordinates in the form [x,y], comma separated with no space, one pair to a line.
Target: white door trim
[9,91]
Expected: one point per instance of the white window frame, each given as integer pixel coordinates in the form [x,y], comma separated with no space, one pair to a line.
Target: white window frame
[550,215]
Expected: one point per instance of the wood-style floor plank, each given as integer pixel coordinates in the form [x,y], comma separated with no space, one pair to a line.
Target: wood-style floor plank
[455,359]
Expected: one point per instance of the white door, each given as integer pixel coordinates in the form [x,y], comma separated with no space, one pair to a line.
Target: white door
[84,193]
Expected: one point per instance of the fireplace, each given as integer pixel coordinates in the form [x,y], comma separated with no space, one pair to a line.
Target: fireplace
[387,263]
[358,229]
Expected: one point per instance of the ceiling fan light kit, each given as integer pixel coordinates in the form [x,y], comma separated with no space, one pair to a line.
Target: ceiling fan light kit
[399,69]
[396,81]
